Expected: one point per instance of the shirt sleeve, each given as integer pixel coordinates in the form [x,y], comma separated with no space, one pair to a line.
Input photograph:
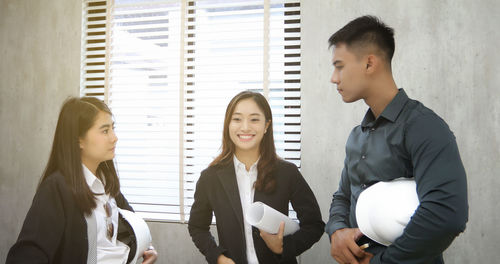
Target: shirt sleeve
[442,192]
[340,206]
[43,227]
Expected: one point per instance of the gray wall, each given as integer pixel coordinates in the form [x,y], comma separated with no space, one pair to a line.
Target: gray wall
[39,68]
[445,57]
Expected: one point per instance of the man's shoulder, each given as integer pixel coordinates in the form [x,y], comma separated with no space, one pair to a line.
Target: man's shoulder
[355,129]
[422,124]
[415,111]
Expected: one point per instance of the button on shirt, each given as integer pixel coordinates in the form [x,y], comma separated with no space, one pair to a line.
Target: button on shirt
[108,251]
[406,140]
[246,180]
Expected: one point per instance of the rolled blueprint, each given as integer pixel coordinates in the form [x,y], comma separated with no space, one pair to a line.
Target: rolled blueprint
[268,219]
[141,232]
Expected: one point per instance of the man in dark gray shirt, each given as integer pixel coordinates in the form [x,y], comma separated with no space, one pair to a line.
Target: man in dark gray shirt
[398,137]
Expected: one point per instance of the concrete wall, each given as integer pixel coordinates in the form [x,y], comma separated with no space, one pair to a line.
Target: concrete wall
[39,68]
[445,57]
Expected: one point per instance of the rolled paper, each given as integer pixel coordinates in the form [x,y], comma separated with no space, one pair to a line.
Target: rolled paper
[268,219]
[141,232]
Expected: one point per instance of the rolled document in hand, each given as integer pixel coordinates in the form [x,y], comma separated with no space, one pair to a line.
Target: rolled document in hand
[268,219]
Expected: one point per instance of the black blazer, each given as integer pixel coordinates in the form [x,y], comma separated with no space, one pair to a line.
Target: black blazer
[55,230]
[217,192]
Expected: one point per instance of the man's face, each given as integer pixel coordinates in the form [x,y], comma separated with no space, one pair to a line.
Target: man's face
[349,74]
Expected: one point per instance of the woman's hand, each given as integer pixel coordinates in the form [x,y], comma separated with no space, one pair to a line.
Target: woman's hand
[150,256]
[274,242]
[224,260]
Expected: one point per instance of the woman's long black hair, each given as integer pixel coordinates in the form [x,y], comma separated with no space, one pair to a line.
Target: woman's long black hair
[77,116]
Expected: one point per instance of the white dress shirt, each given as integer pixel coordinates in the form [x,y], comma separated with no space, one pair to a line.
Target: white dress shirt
[108,251]
[246,180]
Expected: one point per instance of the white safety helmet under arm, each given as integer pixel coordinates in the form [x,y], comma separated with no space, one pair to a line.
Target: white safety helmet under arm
[384,209]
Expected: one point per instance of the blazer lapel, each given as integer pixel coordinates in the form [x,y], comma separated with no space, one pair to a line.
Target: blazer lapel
[227,177]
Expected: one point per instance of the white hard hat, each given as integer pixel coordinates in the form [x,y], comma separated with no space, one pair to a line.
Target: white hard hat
[384,209]
[141,232]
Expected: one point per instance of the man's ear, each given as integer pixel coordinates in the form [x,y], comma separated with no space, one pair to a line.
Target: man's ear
[372,62]
[80,142]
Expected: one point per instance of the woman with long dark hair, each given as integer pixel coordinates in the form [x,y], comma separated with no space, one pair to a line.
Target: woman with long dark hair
[74,217]
[248,170]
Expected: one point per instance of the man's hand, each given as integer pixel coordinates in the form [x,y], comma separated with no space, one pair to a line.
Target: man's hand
[366,258]
[274,242]
[344,248]
[224,260]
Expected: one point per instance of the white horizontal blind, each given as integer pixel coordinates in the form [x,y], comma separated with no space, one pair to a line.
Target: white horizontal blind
[230,48]
[93,48]
[145,65]
[171,69]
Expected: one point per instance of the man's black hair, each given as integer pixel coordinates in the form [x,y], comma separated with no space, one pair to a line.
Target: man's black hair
[364,31]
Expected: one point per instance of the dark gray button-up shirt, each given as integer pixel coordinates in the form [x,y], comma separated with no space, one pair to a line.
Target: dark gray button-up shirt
[406,140]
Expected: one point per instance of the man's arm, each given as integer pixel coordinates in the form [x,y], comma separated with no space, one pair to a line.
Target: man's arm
[340,206]
[343,238]
[442,191]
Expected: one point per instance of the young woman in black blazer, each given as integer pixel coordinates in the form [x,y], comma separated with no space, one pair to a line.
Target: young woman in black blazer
[68,222]
[225,189]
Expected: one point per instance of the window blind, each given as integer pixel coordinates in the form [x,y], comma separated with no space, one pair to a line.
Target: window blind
[93,52]
[170,69]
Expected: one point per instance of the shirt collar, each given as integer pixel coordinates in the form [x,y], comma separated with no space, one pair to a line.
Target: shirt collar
[395,107]
[93,182]
[240,166]
[391,111]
